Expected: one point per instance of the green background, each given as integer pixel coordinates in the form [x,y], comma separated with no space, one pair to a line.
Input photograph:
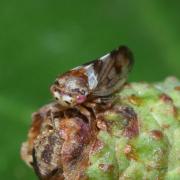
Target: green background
[40,39]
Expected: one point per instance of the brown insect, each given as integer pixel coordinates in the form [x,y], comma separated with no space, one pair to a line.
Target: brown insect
[97,79]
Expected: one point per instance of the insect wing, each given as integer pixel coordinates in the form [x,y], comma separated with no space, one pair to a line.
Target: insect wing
[107,74]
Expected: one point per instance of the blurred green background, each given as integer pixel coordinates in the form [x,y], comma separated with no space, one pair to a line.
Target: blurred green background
[40,39]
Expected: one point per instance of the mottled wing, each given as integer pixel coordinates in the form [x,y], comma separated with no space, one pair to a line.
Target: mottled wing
[107,74]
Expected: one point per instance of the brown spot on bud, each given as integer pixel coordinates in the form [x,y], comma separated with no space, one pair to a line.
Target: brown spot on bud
[127,149]
[129,152]
[101,125]
[165,126]
[177,88]
[135,100]
[175,112]
[76,134]
[156,134]
[131,128]
[165,98]
[106,167]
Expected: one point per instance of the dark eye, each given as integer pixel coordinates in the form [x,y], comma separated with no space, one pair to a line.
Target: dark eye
[56,98]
